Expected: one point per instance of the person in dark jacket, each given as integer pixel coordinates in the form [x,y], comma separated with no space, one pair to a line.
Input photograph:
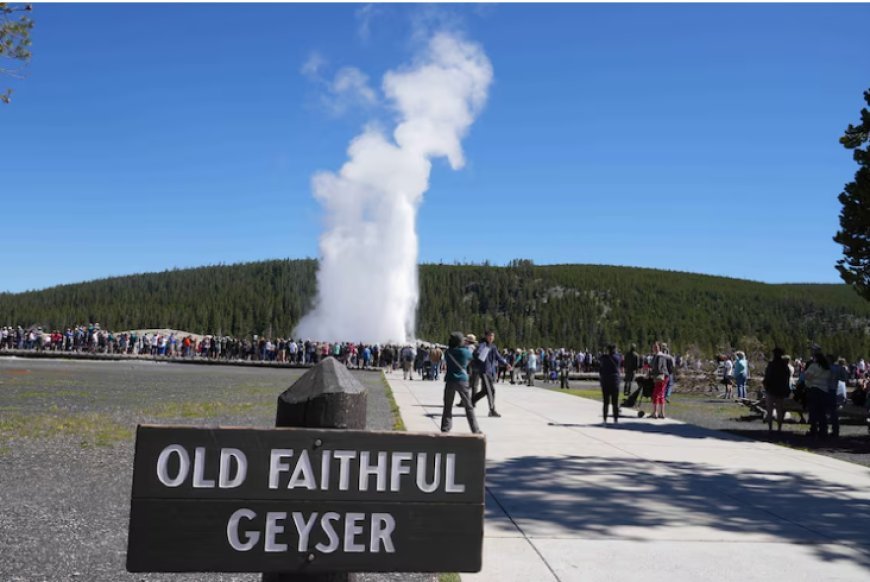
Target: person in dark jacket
[485,363]
[632,364]
[609,376]
[777,386]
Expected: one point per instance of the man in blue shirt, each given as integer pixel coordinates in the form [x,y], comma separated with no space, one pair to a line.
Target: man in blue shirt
[458,356]
[485,365]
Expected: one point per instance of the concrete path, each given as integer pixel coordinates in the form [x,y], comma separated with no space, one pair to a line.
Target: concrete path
[652,500]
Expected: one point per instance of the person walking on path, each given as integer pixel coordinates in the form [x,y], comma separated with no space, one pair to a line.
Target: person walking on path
[741,374]
[662,369]
[632,364]
[486,362]
[777,386]
[458,355]
[609,378]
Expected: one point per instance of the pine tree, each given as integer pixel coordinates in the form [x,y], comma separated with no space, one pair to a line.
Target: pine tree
[854,233]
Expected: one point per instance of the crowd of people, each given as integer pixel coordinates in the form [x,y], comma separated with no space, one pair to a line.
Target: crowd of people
[819,383]
[423,359]
[92,339]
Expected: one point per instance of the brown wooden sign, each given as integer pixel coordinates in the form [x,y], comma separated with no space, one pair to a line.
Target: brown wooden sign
[305,500]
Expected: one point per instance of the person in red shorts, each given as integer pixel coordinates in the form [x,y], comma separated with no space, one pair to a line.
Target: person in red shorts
[662,369]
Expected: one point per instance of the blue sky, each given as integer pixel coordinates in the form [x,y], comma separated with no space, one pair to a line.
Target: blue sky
[698,138]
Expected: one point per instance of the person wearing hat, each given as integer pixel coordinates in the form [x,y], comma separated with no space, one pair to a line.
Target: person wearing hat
[457,356]
[777,386]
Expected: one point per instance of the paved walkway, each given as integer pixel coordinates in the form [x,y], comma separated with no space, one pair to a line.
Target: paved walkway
[652,500]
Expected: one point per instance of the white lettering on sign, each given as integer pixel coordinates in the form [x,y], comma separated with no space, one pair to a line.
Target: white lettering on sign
[251,538]
[324,470]
[344,458]
[383,525]
[450,485]
[427,471]
[352,529]
[329,530]
[424,470]
[398,469]
[163,469]
[199,480]
[303,474]
[276,465]
[366,470]
[224,480]
[273,529]
[380,528]
[303,528]
[422,485]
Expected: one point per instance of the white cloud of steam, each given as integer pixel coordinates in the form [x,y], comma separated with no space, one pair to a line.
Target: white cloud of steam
[350,88]
[367,280]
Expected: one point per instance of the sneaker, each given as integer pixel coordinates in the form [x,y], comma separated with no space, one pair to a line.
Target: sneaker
[494,414]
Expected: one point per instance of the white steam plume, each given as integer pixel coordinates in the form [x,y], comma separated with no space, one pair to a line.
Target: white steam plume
[367,280]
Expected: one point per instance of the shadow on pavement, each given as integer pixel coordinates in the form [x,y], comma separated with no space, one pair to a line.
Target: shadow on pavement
[591,496]
[852,444]
[648,425]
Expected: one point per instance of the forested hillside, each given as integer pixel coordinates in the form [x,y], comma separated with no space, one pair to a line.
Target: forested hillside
[558,305]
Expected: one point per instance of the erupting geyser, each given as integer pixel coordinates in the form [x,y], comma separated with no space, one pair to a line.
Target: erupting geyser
[367,278]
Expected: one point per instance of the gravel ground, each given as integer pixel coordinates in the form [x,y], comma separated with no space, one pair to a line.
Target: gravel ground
[710,411]
[66,454]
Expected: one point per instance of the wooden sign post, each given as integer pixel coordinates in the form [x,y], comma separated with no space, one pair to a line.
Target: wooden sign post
[305,502]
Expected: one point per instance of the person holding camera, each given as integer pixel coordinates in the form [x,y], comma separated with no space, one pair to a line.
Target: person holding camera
[457,356]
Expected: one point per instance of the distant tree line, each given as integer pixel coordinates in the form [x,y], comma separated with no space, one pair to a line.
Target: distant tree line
[578,306]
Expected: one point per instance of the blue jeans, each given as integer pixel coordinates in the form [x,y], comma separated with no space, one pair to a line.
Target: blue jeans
[740,380]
